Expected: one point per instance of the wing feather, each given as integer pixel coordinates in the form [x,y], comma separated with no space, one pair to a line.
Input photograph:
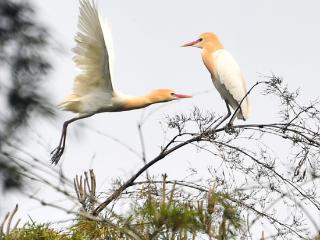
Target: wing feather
[91,53]
[231,82]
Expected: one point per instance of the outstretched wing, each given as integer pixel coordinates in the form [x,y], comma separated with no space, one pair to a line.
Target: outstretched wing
[232,82]
[91,52]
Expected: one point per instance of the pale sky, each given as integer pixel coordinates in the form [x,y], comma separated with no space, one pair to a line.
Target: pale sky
[264,36]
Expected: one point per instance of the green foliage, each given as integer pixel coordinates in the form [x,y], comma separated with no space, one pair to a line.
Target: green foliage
[82,230]
[36,232]
[170,215]
[161,217]
[90,229]
[231,221]
[156,213]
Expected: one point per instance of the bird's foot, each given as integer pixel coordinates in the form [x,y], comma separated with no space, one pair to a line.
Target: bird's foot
[56,155]
[229,128]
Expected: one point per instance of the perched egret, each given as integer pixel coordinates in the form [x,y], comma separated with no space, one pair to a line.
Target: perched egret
[225,73]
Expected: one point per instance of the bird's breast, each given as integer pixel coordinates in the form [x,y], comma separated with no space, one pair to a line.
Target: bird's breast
[96,101]
[210,63]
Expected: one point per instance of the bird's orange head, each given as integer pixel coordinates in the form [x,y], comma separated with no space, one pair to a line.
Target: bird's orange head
[206,40]
[165,95]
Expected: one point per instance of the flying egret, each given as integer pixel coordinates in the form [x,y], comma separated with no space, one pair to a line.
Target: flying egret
[93,90]
[225,73]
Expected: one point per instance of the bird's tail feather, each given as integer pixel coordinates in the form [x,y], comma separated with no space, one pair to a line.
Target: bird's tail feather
[245,112]
[70,103]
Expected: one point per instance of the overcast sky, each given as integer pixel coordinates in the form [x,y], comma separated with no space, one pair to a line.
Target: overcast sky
[264,36]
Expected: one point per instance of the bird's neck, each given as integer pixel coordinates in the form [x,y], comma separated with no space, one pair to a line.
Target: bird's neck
[213,46]
[137,102]
[208,59]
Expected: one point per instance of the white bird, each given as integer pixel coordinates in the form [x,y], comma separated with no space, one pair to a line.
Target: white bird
[225,73]
[93,90]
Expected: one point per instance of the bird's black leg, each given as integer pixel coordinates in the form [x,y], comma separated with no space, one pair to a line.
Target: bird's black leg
[229,126]
[58,151]
[225,117]
[230,123]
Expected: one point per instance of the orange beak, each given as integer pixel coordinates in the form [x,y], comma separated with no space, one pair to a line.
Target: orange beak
[182,96]
[191,43]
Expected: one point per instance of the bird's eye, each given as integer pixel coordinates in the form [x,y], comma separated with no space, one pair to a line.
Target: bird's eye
[200,39]
[172,94]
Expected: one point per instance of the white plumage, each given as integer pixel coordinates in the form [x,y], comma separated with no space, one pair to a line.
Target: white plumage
[230,82]
[226,75]
[93,91]
[93,87]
